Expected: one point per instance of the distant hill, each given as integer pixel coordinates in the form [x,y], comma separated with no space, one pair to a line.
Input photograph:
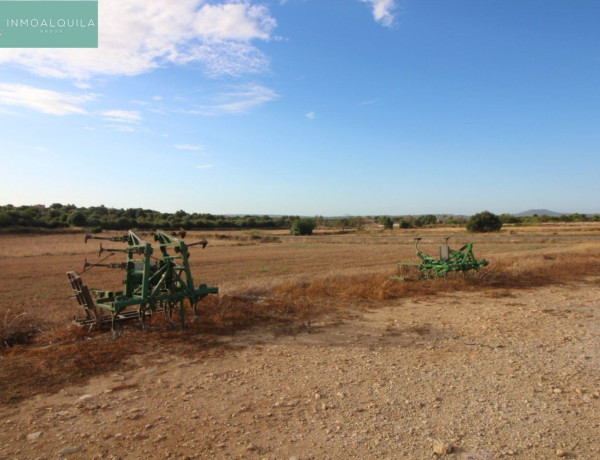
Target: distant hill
[539,212]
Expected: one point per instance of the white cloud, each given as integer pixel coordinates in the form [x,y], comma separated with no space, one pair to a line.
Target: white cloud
[82,85]
[238,99]
[370,102]
[234,21]
[122,116]
[204,166]
[195,148]
[122,128]
[310,115]
[228,58]
[42,100]
[137,36]
[383,11]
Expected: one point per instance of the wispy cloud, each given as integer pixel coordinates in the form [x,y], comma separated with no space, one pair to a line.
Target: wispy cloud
[82,85]
[383,11]
[42,100]
[204,166]
[195,148]
[143,35]
[244,98]
[370,102]
[122,128]
[229,58]
[235,99]
[310,115]
[234,21]
[122,116]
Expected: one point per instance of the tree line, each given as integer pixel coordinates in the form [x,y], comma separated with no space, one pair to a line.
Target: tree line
[100,218]
[450,220]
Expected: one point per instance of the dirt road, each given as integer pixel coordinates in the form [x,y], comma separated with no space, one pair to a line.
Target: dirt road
[475,375]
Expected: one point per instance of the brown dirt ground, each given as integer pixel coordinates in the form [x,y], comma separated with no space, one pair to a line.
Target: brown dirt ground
[310,352]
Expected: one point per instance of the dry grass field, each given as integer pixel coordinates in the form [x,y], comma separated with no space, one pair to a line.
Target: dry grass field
[282,287]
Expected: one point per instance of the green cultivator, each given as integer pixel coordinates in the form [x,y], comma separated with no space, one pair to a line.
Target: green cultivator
[152,284]
[450,261]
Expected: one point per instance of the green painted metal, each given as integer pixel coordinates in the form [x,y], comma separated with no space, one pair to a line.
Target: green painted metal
[151,284]
[450,261]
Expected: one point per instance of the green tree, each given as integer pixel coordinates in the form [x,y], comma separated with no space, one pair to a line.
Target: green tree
[6,219]
[357,222]
[428,219]
[304,226]
[343,223]
[509,219]
[484,222]
[77,219]
[387,222]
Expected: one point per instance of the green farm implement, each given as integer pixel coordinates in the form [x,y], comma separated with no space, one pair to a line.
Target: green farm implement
[450,261]
[152,284]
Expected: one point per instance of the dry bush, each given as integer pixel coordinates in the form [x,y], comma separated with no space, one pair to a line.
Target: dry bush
[68,357]
[371,286]
[226,314]
[516,272]
[540,270]
[22,323]
[19,325]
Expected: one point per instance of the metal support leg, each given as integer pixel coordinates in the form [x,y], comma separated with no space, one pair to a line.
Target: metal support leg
[112,327]
[182,314]
[142,313]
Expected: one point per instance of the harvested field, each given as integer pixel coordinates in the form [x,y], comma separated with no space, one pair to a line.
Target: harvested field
[311,351]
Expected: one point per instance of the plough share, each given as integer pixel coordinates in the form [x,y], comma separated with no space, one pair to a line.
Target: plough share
[450,261]
[151,284]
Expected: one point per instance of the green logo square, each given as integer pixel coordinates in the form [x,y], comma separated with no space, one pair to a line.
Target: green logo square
[48,24]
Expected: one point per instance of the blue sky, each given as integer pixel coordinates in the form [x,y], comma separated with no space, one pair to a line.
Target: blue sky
[312,107]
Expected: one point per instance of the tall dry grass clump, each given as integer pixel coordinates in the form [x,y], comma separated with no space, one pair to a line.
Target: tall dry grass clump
[509,272]
[540,270]
[22,323]
[227,314]
[19,324]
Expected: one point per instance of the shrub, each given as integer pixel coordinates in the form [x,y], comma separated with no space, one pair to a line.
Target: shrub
[484,222]
[77,219]
[428,219]
[358,222]
[303,226]
[387,223]
[509,219]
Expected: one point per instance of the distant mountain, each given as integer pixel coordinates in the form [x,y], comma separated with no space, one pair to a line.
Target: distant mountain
[539,212]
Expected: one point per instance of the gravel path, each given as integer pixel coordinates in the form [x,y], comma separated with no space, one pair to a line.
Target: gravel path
[471,376]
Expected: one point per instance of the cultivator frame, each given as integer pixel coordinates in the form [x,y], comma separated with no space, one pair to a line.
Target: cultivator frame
[450,261]
[151,284]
